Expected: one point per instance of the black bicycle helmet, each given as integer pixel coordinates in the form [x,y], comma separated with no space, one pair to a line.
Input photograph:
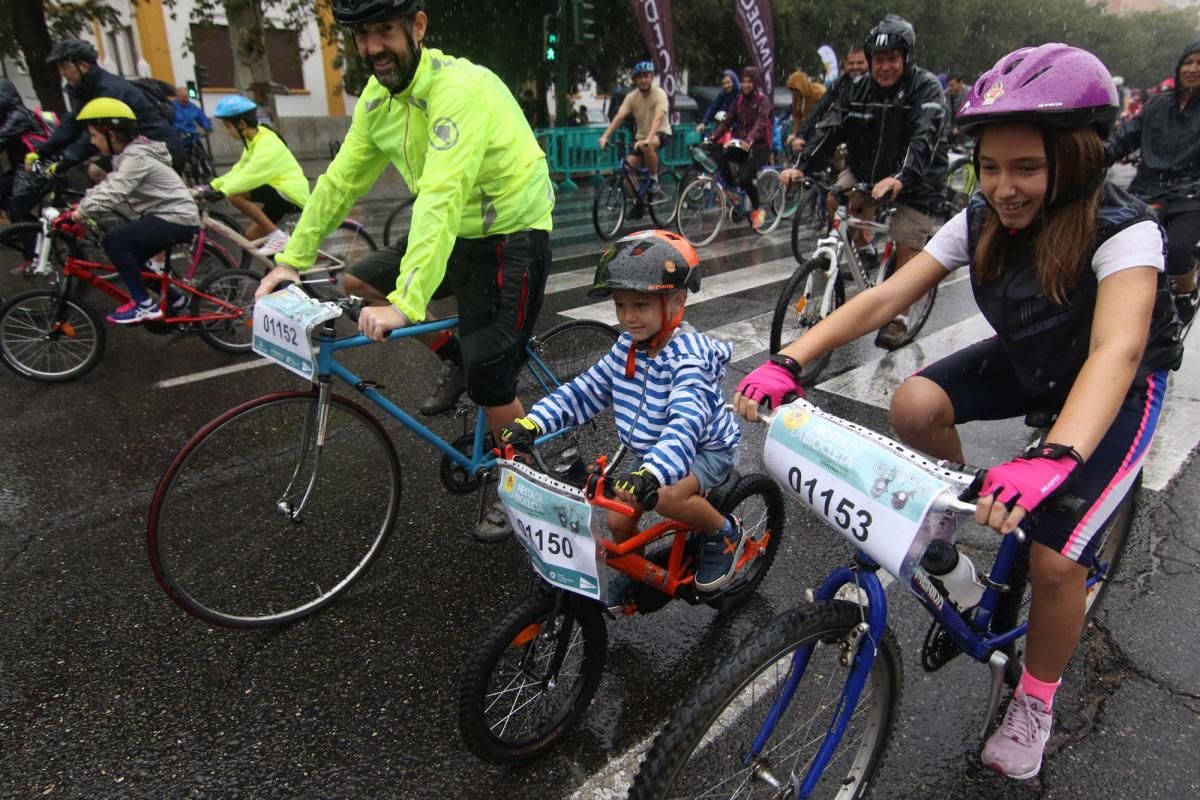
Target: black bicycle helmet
[357,12]
[892,33]
[72,50]
[650,262]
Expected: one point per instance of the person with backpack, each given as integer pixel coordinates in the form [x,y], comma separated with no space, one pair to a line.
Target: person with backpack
[20,132]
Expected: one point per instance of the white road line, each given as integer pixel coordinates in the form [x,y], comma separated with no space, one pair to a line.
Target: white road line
[612,782]
[1177,432]
[749,336]
[726,283]
[212,373]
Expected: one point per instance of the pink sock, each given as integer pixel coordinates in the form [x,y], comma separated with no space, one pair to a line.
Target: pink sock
[1038,690]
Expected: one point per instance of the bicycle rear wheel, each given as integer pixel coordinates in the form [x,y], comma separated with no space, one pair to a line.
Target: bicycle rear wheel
[918,312]
[512,706]
[609,207]
[398,222]
[757,501]
[567,350]
[704,749]
[702,211]
[346,244]
[771,195]
[811,219]
[222,542]
[235,287]
[49,338]
[665,204]
[805,301]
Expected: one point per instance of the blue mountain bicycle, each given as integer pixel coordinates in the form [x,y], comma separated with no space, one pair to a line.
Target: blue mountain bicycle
[708,199]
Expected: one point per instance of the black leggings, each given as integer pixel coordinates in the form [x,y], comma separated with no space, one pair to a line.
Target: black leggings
[747,170]
[129,245]
[1183,232]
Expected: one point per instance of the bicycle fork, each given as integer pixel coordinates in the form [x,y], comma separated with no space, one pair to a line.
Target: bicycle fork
[311,438]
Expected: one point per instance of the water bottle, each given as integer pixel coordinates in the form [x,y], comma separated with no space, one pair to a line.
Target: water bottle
[954,572]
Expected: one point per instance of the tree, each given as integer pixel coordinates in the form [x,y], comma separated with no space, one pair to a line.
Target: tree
[29,28]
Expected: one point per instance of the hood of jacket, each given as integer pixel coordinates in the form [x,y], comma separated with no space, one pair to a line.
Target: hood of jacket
[799,82]
[755,75]
[1192,47]
[9,96]
[141,147]
[733,76]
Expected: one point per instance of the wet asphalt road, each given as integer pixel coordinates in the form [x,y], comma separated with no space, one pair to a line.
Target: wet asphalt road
[108,690]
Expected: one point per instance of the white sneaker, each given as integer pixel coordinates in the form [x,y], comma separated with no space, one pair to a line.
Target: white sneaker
[156,265]
[274,244]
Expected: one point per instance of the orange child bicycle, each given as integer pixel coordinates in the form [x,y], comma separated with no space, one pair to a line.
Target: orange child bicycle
[536,670]
[53,335]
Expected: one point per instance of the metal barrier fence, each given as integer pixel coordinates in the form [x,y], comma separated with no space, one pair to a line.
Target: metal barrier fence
[575,152]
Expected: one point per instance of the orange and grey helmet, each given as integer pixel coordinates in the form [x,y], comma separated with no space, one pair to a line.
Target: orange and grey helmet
[649,262]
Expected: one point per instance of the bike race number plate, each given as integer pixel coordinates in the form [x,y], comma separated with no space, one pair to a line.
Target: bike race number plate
[283,326]
[872,496]
[556,530]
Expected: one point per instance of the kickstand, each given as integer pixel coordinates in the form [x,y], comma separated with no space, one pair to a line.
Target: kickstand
[998,662]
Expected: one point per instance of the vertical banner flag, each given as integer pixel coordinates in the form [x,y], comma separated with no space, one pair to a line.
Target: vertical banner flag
[758,29]
[654,20]
[829,59]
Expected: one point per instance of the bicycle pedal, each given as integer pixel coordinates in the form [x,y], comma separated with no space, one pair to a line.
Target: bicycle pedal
[939,648]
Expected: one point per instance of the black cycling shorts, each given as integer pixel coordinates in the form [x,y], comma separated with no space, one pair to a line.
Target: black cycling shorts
[982,385]
[274,205]
[499,283]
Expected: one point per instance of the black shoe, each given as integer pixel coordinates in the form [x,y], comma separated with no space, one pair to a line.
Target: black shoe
[892,335]
[638,211]
[451,384]
[1185,305]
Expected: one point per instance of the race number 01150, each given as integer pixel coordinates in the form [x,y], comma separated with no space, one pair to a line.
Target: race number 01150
[838,513]
[552,543]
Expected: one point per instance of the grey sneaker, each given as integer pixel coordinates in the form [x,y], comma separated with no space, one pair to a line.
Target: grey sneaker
[1015,749]
[452,382]
[719,553]
[494,527]
[891,336]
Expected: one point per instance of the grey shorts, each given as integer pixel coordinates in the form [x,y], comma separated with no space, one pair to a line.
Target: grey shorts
[711,467]
[911,228]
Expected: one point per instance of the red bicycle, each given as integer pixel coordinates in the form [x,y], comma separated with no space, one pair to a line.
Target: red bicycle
[52,335]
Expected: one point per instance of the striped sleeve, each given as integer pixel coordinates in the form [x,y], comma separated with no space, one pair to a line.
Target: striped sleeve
[690,405]
[577,401]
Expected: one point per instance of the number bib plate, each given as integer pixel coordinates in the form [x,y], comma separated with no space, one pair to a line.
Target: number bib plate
[554,524]
[283,326]
[875,498]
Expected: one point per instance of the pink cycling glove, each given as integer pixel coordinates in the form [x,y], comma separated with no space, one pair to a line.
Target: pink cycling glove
[768,384]
[1029,479]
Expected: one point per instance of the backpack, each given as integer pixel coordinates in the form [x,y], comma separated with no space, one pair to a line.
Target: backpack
[160,94]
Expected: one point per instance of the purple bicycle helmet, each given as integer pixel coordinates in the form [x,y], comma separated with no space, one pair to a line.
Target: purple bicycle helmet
[1050,86]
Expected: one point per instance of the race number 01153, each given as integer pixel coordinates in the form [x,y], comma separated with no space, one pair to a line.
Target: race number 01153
[823,502]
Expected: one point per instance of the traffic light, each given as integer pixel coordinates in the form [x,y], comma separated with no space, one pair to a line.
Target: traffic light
[551,26]
[193,93]
[583,20]
[196,87]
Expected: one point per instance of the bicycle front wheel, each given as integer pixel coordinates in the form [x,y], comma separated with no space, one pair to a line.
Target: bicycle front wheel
[234,287]
[706,748]
[49,338]
[257,522]
[811,219]
[801,305]
[664,205]
[513,705]
[702,211]
[771,195]
[609,206]
[560,355]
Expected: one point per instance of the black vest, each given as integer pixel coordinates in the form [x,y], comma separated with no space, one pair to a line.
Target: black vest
[1047,342]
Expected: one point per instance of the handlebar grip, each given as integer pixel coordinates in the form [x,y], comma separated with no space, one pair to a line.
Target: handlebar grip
[650,500]
[1074,507]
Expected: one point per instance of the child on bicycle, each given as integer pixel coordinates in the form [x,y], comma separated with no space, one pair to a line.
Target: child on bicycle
[663,380]
[143,178]
[1069,272]
[267,173]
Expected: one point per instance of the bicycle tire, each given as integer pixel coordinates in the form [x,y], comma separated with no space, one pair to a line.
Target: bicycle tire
[771,198]
[759,524]
[398,221]
[243,259]
[569,349]
[50,338]
[960,183]
[799,308]
[235,286]
[663,209]
[609,207]
[918,312]
[700,725]
[347,244]
[1013,608]
[13,240]
[220,546]
[519,643]
[811,218]
[702,211]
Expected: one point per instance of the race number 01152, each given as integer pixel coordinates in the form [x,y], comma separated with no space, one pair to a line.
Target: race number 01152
[838,513]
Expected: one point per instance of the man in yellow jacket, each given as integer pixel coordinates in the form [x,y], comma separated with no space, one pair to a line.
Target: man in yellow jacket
[267,174]
[481,218]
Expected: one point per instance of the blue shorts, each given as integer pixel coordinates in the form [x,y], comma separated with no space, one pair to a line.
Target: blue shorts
[711,467]
[982,384]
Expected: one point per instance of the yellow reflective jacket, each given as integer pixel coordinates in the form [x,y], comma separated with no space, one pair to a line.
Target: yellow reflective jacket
[266,161]
[461,143]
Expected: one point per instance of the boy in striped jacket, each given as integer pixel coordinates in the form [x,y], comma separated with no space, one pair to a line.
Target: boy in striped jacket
[663,380]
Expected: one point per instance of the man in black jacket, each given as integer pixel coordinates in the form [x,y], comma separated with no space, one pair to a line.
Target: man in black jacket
[76,62]
[18,129]
[895,128]
[1168,134]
